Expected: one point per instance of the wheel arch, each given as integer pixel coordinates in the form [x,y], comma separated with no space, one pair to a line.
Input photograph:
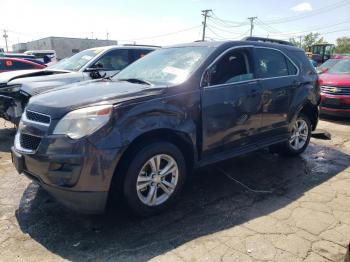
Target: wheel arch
[311,111]
[178,138]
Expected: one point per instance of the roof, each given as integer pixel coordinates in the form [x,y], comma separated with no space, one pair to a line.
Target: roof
[123,47]
[216,44]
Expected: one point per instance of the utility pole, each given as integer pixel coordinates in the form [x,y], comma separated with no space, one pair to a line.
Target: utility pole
[252,24]
[92,35]
[300,37]
[5,37]
[205,14]
[107,35]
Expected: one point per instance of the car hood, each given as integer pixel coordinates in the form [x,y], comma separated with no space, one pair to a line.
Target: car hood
[95,92]
[335,79]
[7,77]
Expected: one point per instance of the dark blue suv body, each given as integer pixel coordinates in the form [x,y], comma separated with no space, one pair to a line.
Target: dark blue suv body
[138,135]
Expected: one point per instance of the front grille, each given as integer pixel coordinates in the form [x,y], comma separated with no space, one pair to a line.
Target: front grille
[29,142]
[37,117]
[336,90]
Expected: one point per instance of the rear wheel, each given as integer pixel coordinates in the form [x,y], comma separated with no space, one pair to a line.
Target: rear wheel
[154,178]
[298,140]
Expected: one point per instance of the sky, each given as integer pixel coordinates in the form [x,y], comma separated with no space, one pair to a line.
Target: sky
[166,22]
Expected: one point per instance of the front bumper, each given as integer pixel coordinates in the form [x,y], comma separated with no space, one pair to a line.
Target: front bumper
[80,201]
[336,105]
[77,173]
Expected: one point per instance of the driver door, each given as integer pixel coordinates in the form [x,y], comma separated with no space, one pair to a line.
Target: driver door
[231,103]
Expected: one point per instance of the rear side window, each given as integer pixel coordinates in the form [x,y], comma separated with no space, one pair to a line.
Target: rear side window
[272,63]
[2,64]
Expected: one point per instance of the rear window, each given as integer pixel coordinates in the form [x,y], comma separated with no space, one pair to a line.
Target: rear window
[273,63]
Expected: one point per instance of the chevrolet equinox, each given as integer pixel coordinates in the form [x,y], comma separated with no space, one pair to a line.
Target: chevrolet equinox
[138,135]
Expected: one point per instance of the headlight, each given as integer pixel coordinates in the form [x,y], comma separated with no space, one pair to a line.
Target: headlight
[84,121]
[11,88]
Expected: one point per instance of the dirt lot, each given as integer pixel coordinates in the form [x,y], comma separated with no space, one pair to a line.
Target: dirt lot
[298,210]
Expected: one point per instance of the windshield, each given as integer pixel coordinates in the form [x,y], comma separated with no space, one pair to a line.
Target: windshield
[329,63]
[342,67]
[77,61]
[168,66]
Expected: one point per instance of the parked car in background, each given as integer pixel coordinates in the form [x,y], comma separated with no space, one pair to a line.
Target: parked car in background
[17,87]
[18,55]
[13,64]
[139,134]
[335,89]
[41,54]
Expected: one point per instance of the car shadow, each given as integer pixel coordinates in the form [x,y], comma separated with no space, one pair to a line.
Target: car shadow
[210,203]
[336,119]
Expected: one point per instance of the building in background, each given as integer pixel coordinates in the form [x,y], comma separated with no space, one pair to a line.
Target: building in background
[64,46]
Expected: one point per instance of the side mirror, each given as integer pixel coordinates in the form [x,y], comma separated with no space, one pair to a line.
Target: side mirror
[95,72]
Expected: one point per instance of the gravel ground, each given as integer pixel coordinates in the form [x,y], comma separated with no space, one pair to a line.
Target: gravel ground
[297,209]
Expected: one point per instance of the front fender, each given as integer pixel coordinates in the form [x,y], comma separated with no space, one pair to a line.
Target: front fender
[179,113]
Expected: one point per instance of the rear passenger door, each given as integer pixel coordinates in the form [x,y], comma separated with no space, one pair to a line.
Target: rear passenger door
[278,79]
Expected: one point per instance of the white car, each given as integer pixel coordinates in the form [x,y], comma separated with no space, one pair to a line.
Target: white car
[17,87]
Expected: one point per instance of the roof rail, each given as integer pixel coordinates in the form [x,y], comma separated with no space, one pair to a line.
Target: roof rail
[142,45]
[267,40]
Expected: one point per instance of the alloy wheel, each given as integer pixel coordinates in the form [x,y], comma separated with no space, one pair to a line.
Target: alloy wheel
[157,180]
[299,135]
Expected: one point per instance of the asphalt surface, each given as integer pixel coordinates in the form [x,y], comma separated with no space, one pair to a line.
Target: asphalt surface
[257,207]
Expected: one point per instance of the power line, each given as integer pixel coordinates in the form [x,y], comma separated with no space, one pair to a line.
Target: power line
[158,36]
[229,23]
[309,14]
[223,30]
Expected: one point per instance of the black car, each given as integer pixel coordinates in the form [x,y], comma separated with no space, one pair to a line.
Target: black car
[139,134]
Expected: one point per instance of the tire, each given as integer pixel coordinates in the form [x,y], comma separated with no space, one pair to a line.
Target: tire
[144,178]
[290,147]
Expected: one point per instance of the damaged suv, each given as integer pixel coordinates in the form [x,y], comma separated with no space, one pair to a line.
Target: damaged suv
[17,87]
[138,135]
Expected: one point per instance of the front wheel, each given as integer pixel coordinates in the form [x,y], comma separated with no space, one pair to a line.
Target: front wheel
[298,140]
[154,179]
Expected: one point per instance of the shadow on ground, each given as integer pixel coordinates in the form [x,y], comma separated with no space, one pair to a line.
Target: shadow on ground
[336,119]
[210,203]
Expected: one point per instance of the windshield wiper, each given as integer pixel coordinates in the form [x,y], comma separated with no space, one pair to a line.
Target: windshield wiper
[137,81]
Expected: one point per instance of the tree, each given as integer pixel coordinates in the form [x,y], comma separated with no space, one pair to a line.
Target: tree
[308,40]
[343,45]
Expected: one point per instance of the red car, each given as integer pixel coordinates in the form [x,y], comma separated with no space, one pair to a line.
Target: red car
[12,64]
[335,89]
